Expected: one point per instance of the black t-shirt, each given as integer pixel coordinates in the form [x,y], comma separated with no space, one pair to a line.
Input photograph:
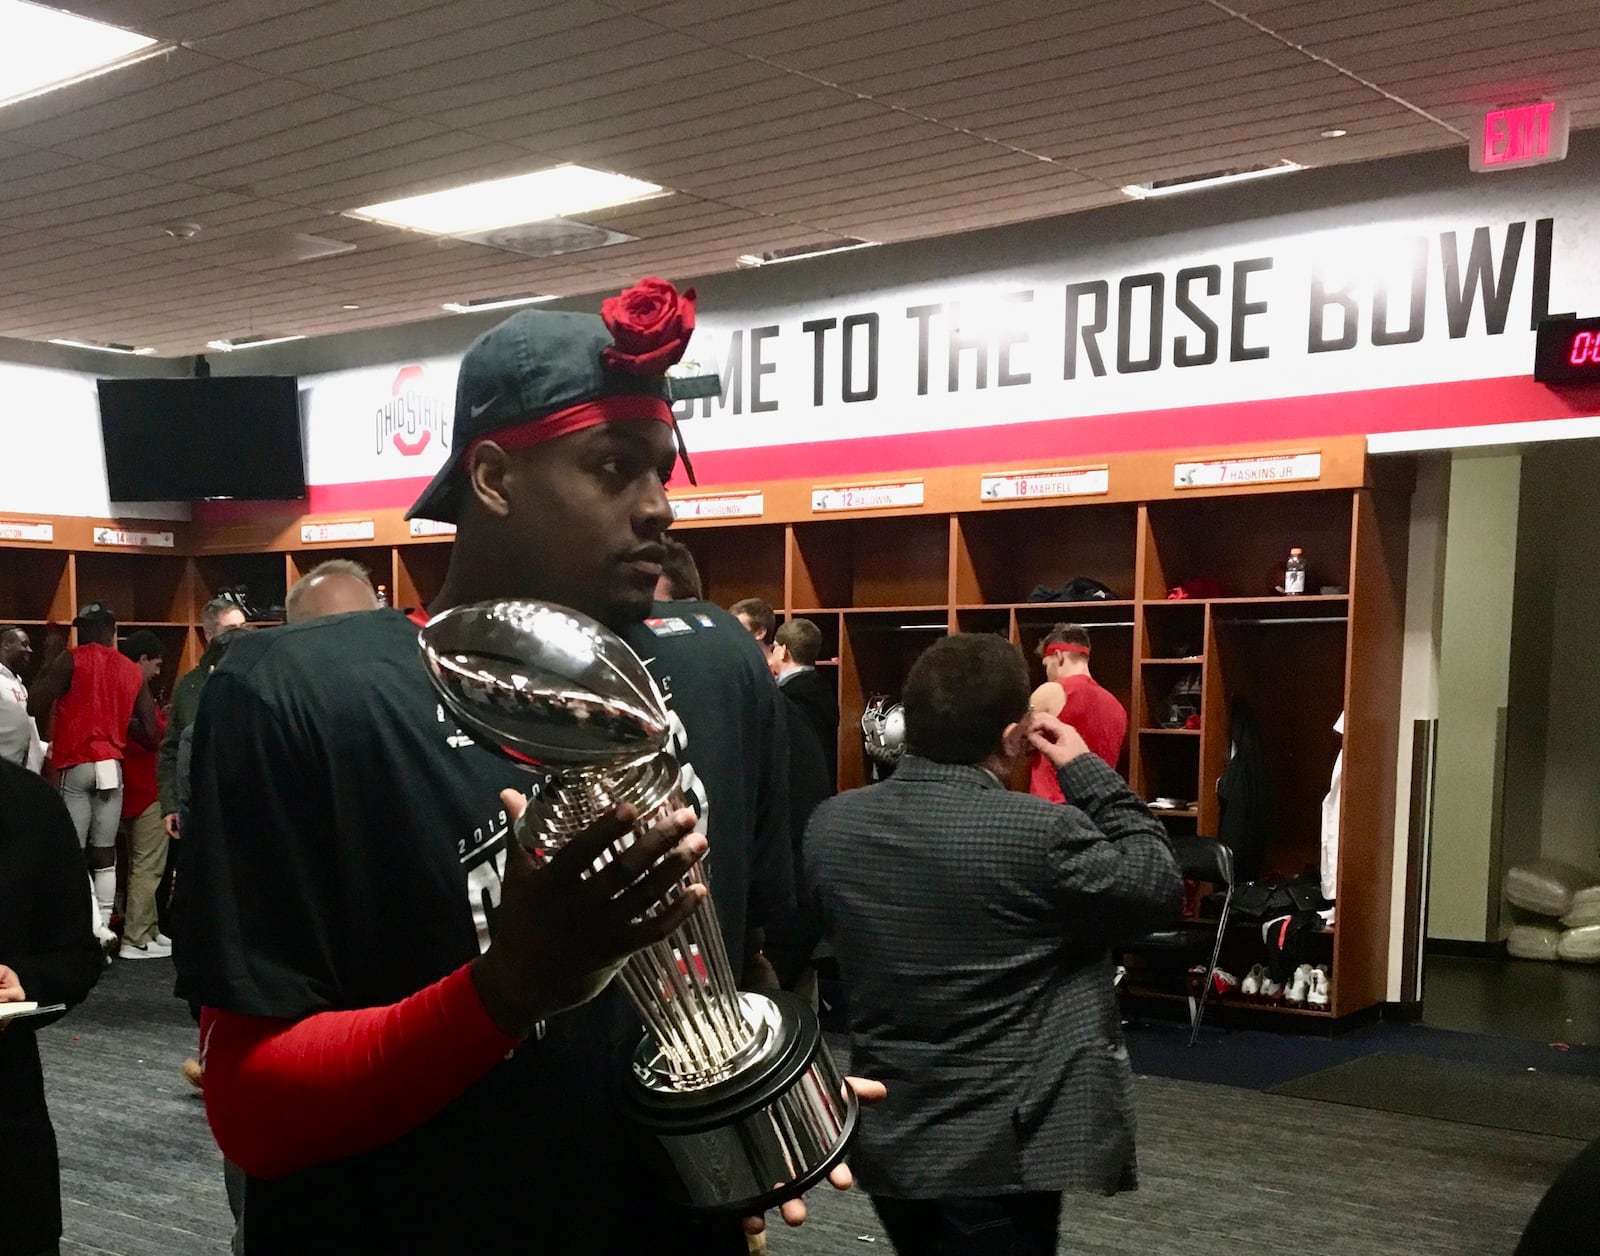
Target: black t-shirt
[344,850]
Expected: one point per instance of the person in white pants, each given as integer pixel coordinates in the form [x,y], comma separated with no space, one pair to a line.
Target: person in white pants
[99,701]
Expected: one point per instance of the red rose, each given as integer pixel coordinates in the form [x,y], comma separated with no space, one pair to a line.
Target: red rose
[650,324]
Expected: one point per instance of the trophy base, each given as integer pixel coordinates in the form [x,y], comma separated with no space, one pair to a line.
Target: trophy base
[768,1133]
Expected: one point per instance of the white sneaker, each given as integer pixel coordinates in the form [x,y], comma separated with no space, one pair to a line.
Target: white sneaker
[1317,994]
[150,950]
[1271,989]
[1251,985]
[1299,987]
[162,939]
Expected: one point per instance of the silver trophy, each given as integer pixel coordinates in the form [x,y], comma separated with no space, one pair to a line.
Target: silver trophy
[738,1088]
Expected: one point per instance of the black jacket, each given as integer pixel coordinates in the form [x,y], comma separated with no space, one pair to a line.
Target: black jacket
[47,940]
[792,936]
[814,697]
[1245,790]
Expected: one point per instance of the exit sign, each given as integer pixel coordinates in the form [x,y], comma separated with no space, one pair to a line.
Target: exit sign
[1520,135]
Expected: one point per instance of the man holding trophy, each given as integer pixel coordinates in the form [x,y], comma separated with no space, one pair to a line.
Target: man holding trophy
[413,1042]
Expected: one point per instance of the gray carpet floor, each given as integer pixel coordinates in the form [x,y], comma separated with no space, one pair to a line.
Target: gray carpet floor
[1534,1103]
[1225,1170]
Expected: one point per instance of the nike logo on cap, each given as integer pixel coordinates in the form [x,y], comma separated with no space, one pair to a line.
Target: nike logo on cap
[475,411]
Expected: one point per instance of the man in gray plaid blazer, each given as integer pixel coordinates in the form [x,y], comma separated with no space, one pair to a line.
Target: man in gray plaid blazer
[972,927]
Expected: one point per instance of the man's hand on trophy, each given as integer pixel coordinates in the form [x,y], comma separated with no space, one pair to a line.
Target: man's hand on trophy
[560,934]
[840,1178]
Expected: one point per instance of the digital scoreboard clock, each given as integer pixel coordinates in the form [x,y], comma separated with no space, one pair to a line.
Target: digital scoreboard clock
[1568,351]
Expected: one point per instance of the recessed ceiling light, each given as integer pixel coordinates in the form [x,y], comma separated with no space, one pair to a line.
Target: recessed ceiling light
[510,202]
[480,304]
[1335,133]
[46,49]
[248,342]
[798,253]
[1212,179]
[350,306]
[99,346]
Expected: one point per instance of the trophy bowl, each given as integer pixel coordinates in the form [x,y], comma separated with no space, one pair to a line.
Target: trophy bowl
[738,1088]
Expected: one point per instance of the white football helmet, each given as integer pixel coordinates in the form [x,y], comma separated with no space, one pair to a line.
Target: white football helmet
[883,729]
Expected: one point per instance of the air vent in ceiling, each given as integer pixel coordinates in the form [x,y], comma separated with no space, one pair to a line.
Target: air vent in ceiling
[230,343]
[1210,179]
[551,237]
[103,346]
[799,252]
[478,305]
[286,247]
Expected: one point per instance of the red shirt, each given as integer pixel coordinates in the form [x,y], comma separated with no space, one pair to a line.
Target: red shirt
[1100,721]
[139,788]
[92,717]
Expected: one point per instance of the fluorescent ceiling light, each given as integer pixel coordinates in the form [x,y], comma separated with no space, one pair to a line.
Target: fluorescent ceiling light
[801,254]
[492,303]
[510,202]
[45,49]
[249,342]
[1193,183]
[108,347]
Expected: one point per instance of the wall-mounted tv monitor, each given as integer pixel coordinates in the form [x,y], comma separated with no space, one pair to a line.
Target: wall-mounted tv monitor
[225,436]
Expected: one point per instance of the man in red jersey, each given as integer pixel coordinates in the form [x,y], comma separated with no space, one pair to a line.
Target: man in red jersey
[144,839]
[100,701]
[1074,697]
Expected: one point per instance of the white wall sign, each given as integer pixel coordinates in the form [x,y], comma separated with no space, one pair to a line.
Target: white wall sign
[10,530]
[1267,469]
[388,422]
[432,527]
[1414,286]
[867,496]
[1430,278]
[1003,486]
[352,530]
[140,540]
[719,506]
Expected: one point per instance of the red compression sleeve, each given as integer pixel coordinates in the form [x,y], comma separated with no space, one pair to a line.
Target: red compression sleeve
[286,1095]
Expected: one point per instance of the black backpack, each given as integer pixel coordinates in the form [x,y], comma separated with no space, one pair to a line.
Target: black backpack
[1077,589]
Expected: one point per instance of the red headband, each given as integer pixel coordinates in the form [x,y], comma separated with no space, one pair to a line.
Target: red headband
[1065,647]
[558,423]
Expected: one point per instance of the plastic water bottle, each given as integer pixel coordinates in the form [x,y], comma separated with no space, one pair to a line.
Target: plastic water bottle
[1294,573]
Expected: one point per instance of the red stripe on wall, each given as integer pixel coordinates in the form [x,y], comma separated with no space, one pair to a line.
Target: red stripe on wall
[1418,407]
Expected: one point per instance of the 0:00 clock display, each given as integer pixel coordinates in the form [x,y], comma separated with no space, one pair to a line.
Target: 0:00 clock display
[1567,351]
[1585,350]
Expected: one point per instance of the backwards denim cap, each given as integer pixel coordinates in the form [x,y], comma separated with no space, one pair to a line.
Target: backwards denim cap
[542,374]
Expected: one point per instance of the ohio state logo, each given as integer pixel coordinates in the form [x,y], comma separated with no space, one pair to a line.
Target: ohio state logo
[411,419]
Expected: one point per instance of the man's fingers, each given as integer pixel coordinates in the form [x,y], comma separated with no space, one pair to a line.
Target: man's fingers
[643,856]
[752,1225]
[793,1211]
[645,930]
[868,1089]
[841,1178]
[643,887]
[577,857]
